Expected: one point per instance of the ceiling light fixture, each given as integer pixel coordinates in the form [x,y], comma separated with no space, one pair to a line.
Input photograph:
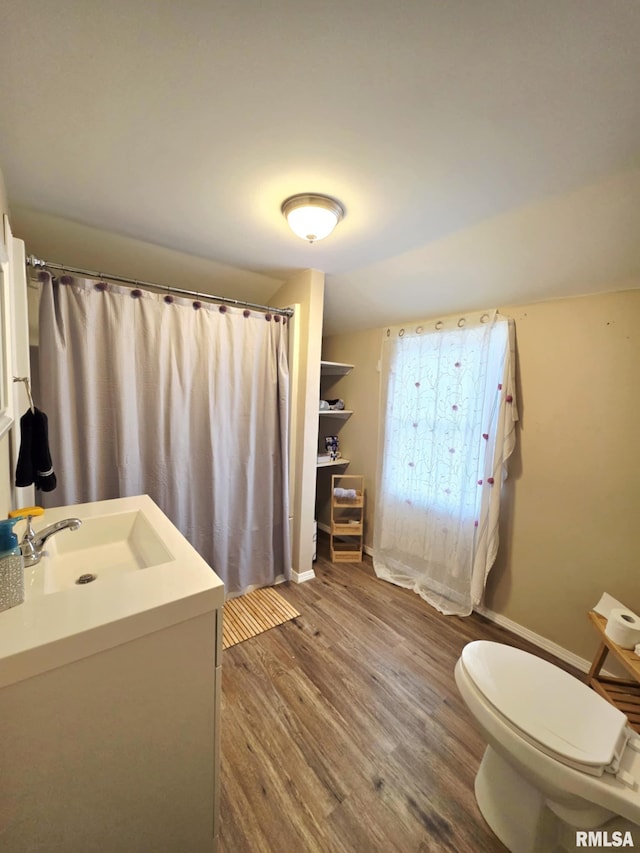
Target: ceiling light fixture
[312,217]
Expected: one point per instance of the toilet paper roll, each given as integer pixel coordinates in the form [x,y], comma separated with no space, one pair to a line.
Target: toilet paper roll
[623,627]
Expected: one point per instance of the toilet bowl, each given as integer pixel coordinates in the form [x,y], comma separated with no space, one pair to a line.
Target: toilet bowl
[559,759]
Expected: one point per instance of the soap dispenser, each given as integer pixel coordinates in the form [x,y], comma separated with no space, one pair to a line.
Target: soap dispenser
[11,566]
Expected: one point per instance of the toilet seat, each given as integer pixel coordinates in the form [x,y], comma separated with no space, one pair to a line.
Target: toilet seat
[551,709]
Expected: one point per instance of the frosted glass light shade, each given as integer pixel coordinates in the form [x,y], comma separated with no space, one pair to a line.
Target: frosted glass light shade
[312,217]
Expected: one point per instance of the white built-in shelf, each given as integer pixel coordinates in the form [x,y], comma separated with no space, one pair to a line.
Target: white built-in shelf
[331,462]
[334,368]
[336,413]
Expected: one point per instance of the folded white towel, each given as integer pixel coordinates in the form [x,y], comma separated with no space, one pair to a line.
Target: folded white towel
[345,493]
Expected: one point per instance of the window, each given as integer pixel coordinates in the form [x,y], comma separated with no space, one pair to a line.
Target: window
[435,405]
[448,428]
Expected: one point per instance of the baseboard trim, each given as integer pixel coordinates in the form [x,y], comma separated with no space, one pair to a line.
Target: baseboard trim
[302,577]
[538,640]
[519,630]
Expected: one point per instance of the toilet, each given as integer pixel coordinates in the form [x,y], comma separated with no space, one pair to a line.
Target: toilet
[560,759]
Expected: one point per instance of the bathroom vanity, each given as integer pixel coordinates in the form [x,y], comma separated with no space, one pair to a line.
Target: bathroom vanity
[110,690]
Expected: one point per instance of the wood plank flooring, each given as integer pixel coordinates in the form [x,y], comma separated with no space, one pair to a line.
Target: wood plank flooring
[343,730]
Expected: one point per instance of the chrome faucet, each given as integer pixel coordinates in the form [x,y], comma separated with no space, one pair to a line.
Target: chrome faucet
[32,544]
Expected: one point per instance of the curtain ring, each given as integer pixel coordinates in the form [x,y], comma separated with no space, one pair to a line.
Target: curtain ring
[461,322]
[401,333]
[439,325]
[419,330]
[484,318]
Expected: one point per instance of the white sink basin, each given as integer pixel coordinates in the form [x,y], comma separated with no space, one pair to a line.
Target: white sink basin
[102,547]
[147,577]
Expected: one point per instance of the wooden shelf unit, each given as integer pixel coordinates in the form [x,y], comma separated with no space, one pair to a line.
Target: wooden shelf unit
[347,519]
[625,695]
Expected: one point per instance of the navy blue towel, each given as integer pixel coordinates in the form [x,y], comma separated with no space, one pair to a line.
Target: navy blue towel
[34,459]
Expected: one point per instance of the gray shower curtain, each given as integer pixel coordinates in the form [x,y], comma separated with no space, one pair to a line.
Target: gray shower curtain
[181,400]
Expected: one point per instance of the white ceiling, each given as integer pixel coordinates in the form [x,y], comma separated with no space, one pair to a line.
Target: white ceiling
[486,151]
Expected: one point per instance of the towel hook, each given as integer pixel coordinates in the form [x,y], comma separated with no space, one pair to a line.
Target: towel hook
[27,386]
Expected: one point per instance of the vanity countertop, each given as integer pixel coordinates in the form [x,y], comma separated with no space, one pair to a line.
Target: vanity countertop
[52,629]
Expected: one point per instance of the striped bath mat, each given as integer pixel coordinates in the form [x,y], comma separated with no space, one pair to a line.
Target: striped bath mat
[251,614]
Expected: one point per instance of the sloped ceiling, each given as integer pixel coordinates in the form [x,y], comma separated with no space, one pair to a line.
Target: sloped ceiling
[486,151]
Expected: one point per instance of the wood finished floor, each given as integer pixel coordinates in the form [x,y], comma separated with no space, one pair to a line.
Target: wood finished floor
[343,730]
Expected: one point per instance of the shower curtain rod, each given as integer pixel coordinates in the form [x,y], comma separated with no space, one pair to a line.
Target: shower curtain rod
[34,262]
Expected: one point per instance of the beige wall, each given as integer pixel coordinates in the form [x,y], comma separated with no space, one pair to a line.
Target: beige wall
[64,241]
[4,204]
[306,290]
[572,502]
[5,459]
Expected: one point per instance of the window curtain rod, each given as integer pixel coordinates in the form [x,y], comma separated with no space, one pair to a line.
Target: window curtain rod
[34,262]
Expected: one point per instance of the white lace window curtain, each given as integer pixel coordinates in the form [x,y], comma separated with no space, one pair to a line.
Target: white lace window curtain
[182,400]
[448,414]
